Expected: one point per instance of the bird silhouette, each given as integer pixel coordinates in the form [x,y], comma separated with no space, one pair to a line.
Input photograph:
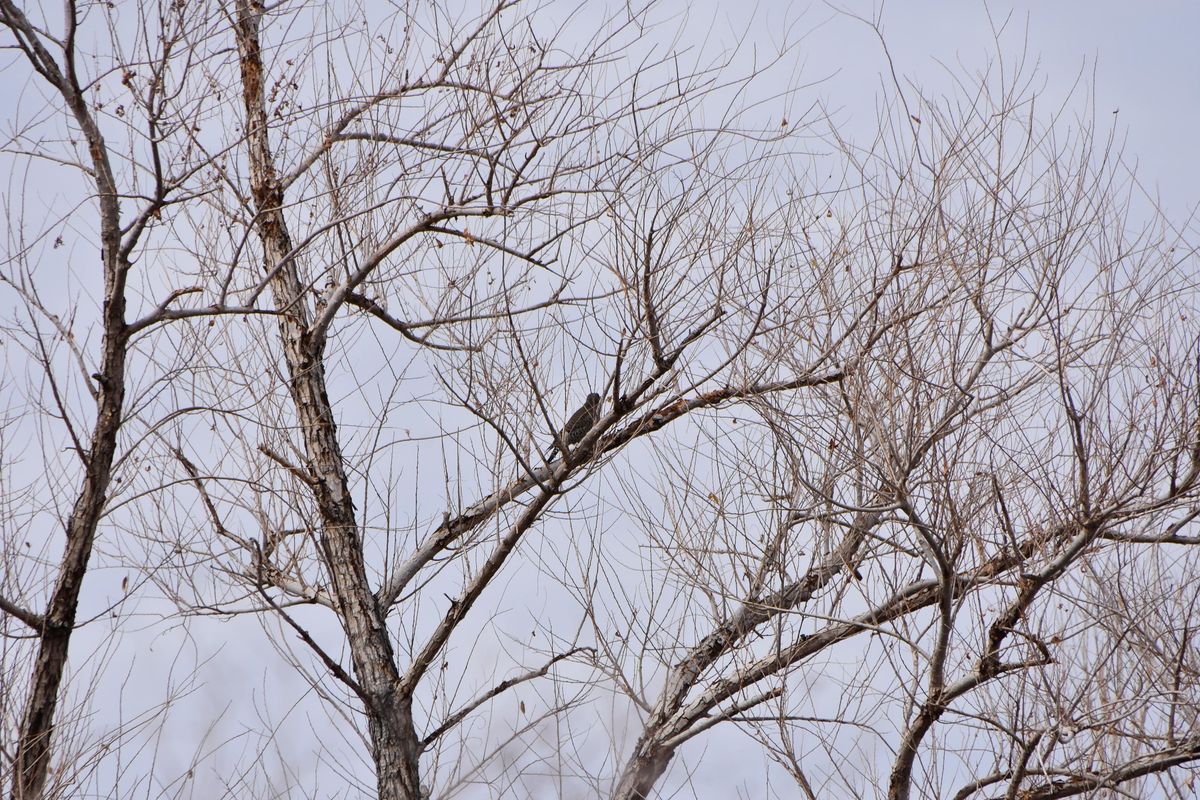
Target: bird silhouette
[579,423]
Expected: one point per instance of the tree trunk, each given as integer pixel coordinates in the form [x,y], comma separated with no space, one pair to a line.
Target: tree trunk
[31,763]
[31,760]
[647,764]
[395,746]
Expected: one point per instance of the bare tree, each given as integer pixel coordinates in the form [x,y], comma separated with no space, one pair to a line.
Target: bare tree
[85,351]
[516,156]
[968,517]
[928,433]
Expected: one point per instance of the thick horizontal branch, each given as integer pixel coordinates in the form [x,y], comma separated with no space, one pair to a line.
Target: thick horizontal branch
[374,309]
[1137,768]
[34,621]
[409,141]
[454,527]
[164,314]
[1169,536]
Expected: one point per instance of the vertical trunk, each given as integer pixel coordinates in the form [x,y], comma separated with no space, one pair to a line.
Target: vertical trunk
[31,762]
[31,759]
[651,757]
[389,714]
[644,768]
[900,779]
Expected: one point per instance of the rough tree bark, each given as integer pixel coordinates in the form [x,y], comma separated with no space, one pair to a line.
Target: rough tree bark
[926,428]
[389,714]
[32,758]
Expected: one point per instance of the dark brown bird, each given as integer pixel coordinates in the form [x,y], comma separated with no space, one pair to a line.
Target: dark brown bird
[580,422]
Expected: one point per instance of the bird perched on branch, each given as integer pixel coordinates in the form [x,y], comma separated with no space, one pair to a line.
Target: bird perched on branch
[579,423]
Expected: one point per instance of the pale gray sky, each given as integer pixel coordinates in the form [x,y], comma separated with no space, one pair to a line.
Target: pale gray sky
[1139,59]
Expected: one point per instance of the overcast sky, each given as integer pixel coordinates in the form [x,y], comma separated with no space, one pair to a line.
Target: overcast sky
[1140,60]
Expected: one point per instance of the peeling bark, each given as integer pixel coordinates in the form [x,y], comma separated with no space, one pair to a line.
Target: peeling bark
[395,744]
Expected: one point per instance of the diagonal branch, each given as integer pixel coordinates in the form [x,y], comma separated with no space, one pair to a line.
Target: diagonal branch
[500,688]
[452,528]
[33,620]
